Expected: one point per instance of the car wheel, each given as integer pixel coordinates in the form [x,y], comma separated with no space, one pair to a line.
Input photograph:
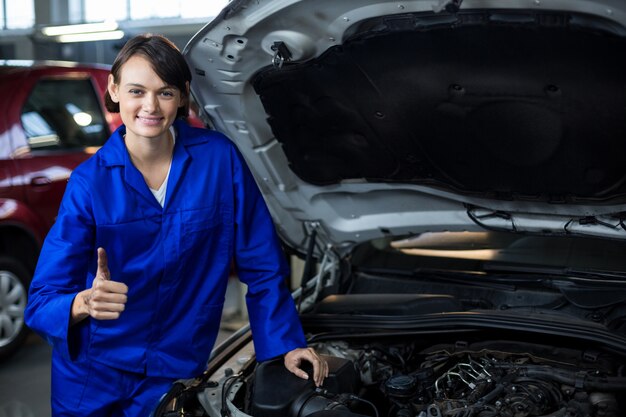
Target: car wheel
[14,280]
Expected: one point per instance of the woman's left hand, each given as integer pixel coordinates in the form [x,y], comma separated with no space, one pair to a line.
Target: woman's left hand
[294,358]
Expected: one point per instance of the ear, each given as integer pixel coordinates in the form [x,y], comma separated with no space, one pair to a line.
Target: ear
[113,89]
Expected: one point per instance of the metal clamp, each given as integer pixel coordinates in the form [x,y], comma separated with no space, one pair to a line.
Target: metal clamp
[281,54]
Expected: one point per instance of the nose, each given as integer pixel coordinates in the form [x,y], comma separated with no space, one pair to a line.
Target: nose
[150,102]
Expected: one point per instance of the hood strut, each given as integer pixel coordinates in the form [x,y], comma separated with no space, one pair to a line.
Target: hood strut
[308,265]
[327,272]
[308,262]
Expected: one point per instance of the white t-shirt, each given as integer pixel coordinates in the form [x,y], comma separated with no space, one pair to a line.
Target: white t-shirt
[160,193]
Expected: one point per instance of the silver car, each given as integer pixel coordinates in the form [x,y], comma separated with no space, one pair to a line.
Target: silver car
[453,173]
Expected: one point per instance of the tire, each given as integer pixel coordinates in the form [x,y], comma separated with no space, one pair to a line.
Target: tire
[14,281]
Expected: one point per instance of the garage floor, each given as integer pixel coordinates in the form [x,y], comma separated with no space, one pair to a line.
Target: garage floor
[25,381]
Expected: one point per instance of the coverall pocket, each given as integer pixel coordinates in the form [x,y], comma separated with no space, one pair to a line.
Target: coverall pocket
[196,220]
[204,232]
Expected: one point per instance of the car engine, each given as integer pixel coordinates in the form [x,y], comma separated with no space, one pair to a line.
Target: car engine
[502,379]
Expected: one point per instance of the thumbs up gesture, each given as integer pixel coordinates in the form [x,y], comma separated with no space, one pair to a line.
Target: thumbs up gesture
[105,300]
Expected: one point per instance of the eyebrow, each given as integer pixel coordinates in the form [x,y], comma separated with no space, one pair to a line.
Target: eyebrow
[165,87]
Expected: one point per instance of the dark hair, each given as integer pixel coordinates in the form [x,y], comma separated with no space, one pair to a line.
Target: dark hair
[166,60]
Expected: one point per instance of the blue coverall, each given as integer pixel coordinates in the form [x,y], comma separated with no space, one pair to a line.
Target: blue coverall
[174,259]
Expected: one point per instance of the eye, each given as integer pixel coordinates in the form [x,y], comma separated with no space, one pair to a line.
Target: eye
[167,93]
[134,91]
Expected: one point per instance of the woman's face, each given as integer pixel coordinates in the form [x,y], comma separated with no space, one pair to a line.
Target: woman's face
[148,105]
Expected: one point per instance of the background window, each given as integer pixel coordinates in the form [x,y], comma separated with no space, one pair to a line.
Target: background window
[98,10]
[20,14]
[62,114]
[149,9]
[191,9]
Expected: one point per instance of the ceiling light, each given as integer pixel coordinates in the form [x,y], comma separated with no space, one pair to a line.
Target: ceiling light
[93,36]
[82,28]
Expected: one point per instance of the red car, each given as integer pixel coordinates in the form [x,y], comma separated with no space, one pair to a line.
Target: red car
[52,117]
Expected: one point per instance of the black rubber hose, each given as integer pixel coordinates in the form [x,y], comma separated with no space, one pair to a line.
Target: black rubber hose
[584,381]
[487,398]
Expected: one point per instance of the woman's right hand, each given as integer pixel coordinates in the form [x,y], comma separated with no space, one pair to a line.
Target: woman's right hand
[105,300]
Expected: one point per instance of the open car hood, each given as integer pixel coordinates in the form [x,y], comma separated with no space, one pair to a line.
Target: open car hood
[368,118]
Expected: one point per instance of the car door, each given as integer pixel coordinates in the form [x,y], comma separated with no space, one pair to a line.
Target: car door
[10,82]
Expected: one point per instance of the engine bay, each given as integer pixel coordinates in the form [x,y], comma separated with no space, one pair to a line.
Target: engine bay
[459,379]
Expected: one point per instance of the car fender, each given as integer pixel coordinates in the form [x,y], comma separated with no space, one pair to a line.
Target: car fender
[17,214]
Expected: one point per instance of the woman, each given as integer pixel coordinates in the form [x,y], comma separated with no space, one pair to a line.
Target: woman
[130,282]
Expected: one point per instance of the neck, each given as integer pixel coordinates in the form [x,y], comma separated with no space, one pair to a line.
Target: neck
[148,152]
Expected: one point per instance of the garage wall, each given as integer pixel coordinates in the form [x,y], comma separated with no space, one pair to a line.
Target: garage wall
[26,44]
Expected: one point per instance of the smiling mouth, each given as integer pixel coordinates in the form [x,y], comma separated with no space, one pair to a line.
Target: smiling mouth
[150,120]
